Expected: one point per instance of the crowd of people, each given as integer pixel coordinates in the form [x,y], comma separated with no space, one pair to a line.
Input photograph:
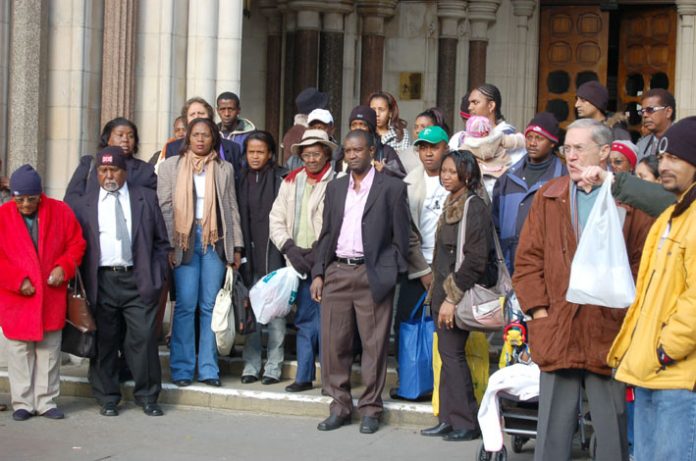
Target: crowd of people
[372,223]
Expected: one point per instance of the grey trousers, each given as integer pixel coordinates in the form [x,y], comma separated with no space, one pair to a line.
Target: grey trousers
[559,394]
[34,371]
[275,350]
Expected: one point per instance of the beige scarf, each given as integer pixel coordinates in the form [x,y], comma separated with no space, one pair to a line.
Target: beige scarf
[184,206]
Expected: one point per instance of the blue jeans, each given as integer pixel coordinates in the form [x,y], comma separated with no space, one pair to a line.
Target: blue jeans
[197,285]
[308,323]
[665,425]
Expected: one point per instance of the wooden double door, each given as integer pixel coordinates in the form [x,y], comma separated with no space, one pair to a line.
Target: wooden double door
[629,50]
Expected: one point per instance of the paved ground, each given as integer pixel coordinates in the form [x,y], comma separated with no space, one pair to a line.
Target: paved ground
[187,433]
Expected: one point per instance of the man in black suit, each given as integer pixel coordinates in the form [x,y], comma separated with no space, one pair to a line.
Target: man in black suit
[124,269]
[362,248]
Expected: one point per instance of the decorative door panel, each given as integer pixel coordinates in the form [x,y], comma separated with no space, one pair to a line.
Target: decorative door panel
[574,42]
[647,47]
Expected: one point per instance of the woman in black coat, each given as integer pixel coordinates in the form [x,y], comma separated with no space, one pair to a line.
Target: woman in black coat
[461,176]
[258,187]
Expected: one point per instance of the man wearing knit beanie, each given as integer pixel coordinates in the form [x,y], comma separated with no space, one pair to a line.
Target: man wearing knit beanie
[655,351]
[592,100]
[515,189]
[42,246]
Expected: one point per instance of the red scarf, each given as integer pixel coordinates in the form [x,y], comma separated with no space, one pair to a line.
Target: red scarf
[315,176]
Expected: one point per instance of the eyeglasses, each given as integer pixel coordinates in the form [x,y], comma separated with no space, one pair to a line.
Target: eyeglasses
[311,155]
[26,198]
[651,110]
[578,148]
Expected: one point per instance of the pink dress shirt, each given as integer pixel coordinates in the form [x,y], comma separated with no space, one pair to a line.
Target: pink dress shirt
[350,243]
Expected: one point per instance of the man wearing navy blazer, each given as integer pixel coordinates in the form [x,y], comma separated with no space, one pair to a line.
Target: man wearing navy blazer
[123,269]
[362,248]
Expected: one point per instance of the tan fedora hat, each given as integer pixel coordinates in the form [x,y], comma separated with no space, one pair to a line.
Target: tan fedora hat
[311,137]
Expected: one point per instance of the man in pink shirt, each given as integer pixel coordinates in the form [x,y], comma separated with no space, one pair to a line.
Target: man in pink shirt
[361,250]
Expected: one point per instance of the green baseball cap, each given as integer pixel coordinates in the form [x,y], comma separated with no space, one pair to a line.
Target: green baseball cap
[432,135]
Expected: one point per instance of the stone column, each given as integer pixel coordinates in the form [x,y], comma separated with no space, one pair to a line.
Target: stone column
[686,58]
[527,64]
[201,52]
[331,60]
[481,15]
[73,102]
[372,54]
[290,90]
[26,126]
[450,13]
[4,81]
[160,71]
[274,55]
[118,59]
[307,43]
[229,47]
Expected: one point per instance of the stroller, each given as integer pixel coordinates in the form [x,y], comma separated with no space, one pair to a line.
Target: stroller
[511,405]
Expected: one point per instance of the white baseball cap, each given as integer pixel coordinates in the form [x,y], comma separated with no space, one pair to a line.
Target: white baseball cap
[320,115]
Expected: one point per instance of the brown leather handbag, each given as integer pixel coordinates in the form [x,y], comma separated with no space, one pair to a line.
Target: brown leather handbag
[79,333]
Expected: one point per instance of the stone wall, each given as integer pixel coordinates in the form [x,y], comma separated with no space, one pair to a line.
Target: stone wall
[4,79]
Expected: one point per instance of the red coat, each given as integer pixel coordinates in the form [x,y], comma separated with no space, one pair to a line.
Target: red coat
[26,318]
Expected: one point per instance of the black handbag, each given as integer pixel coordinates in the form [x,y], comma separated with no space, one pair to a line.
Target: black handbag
[245,320]
[79,333]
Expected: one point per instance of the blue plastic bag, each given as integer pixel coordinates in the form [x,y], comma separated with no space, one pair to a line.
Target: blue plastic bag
[416,354]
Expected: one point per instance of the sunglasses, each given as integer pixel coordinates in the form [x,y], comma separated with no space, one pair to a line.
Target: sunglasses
[651,110]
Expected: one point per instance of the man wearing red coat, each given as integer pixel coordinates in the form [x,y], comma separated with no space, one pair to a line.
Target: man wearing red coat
[42,246]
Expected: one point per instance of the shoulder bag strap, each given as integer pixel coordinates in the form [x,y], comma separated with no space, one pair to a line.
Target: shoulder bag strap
[461,236]
[79,286]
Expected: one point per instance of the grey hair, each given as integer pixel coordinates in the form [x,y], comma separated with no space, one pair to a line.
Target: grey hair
[601,134]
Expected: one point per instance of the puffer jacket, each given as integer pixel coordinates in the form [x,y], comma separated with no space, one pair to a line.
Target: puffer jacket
[286,207]
[664,312]
[572,336]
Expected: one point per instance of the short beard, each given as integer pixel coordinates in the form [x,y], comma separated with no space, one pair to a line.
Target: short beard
[110,186]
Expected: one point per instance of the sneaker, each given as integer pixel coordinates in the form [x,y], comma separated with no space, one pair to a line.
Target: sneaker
[53,413]
[21,415]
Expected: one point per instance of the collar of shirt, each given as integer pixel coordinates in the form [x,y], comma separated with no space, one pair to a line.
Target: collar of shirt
[365,184]
[122,193]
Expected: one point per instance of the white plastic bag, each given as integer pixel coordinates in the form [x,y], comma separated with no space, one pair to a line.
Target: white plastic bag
[273,296]
[600,273]
[222,322]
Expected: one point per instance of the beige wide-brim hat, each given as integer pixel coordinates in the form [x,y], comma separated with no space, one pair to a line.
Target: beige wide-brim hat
[311,137]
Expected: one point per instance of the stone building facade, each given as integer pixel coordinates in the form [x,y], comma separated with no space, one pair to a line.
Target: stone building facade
[67,66]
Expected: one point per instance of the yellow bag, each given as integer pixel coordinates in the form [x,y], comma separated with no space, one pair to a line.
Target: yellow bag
[478,360]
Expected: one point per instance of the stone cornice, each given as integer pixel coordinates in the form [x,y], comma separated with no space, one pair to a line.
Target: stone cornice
[686,7]
[523,7]
[380,8]
[481,14]
[455,9]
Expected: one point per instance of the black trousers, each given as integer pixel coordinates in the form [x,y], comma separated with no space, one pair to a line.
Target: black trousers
[458,406]
[120,309]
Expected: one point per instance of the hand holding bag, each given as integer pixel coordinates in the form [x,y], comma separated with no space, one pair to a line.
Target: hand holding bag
[416,353]
[481,308]
[222,322]
[79,333]
[274,295]
[245,320]
[601,273]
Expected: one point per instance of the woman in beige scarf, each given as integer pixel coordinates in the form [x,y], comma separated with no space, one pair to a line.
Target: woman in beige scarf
[197,195]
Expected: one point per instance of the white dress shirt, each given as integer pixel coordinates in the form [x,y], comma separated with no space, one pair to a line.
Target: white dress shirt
[109,245]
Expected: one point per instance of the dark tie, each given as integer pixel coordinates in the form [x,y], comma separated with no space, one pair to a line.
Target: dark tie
[122,229]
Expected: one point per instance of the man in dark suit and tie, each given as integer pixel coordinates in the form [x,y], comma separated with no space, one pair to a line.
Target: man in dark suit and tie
[124,269]
[362,248]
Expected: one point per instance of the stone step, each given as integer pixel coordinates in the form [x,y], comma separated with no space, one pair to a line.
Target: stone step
[255,397]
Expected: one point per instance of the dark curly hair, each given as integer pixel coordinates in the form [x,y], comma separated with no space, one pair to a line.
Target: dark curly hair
[214,130]
[111,125]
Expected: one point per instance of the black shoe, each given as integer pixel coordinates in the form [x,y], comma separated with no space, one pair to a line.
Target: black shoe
[437,431]
[53,413]
[462,435]
[369,425]
[212,382]
[152,409]
[333,422]
[269,380]
[298,387]
[109,409]
[182,382]
[248,379]
[22,415]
